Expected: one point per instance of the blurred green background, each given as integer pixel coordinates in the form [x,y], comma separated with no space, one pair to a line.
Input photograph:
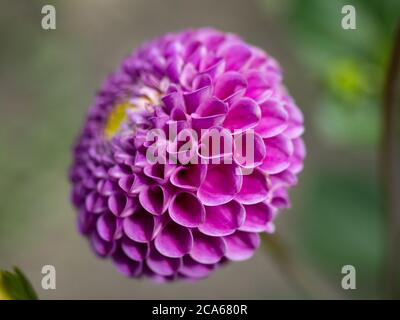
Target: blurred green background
[48,79]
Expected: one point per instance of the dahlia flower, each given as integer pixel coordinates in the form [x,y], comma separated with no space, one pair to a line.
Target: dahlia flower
[189,211]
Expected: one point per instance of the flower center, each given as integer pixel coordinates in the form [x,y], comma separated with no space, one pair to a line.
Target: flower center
[144,102]
[116,117]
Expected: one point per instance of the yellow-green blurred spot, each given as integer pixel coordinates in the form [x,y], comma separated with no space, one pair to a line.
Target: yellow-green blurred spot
[3,293]
[115,119]
[347,80]
[15,286]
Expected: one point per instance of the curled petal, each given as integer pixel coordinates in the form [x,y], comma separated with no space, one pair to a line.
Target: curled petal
[241,245]
[216,143]
[299,153]
[186,210]
[107,187]
[230,85]
[280,198]
[194,269]
[132,184]
[125,265]
[134,250]
[118,171]
[156,171]
[243,114]
[174,241]
[236,55]
[174,68]
[223,220]
[278,152]
[207,250]
[162,265]
[274,119]
[101,247]
[155,199]
[96,203]
[295,122]
[190,176]
[142,226]
[220,186]
[257,217]
[172,101]
[195,98]
[122,205]
[216,69]
[254,188]
[209,114]
[249,149]
[108,227]
[187,75]
[86,221]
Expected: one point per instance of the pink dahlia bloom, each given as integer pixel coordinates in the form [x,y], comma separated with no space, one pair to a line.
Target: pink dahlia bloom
[170,217]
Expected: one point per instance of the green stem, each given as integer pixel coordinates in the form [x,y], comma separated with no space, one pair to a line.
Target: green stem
[390,178]
[305,282]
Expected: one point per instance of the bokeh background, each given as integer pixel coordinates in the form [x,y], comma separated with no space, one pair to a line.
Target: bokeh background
[48,79]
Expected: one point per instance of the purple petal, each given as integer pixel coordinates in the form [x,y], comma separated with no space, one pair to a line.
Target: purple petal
[132,184]
[254,188]
[101,248]
[280,198]
[172,101]
[212,107]
[122,205]
[230,84]
[215,143]
[134,250]
[186,210]
[96,203]
[141,226]
[162,265]
[299,153]
[155,199]
[209,114]
[201,81]
[156,171]
[260,83]
[241,245]
[107,187]
[243,114]
[249,149]
[223,220]
[295,123]
[174,68]
[216,69]
[174,241]
[86,221]
[236,55]
[283,179]
[195,98]
[274,119]
[193,269]
[207,250]
[278,153]
[189,177]
[119,171]
[126,266]
[187,75]
[220,186]
[108,227]
[257,217]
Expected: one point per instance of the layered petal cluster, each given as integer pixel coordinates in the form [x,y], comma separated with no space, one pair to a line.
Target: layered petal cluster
[182,219]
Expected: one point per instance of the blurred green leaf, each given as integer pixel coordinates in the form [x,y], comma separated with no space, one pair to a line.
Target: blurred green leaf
[15,286]
[357,124]
[344,226]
